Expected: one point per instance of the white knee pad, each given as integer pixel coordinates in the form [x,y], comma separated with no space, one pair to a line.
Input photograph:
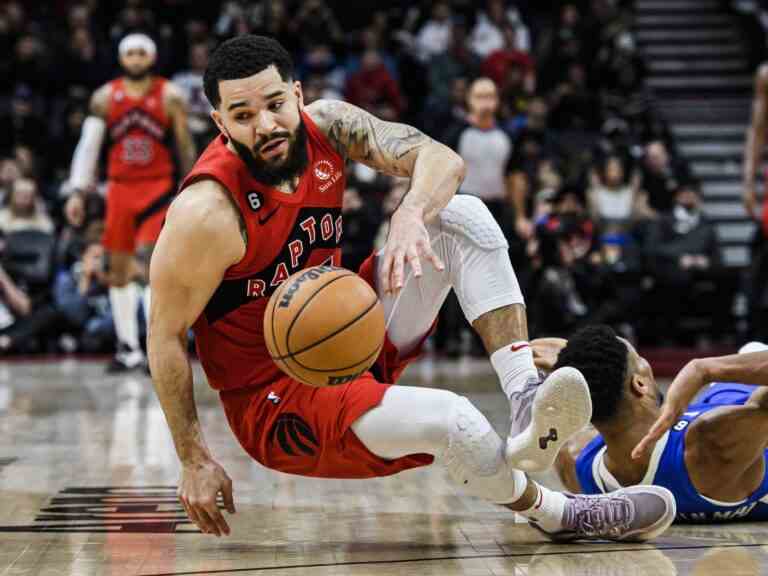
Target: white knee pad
[474,457]
[475,252]
[468,217]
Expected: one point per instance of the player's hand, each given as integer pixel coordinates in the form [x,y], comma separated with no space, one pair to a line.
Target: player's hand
[681,392]
[408,241]
[198,491]
[750,201]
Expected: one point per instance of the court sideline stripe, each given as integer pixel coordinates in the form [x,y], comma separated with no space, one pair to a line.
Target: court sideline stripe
[443,558]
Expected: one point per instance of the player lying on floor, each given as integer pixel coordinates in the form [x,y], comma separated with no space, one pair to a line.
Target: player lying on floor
[711,454]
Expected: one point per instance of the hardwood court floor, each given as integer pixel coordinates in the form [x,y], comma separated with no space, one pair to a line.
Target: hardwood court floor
[87,471]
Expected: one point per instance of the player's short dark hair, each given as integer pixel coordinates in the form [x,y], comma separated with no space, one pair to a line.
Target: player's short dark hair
[241,57]
[603,359]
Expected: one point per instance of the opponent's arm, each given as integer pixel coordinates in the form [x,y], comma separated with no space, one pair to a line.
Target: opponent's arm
[745,368]
[725,449]
[176,105]
[199,241]
[753,151]
[435,171]
[86,155]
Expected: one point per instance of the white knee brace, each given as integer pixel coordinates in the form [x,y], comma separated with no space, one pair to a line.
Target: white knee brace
[474,457]
[474,250]
[468,217]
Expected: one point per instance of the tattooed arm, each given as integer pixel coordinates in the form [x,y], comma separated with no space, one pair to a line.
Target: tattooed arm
[399,150]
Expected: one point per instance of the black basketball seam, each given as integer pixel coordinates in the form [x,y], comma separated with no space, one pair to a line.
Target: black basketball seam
[276,296]
[328,336]
[301,309]
[303,306]
[326,370]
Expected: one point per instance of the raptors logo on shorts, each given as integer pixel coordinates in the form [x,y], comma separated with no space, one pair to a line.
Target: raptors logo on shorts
[293,434]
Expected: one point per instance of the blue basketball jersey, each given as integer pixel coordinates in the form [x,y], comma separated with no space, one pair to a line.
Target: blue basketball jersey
[667,466]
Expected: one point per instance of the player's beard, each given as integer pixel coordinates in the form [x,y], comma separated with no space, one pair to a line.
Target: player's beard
[272,174]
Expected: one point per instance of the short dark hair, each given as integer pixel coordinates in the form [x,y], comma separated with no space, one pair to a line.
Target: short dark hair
[603,359]
[241,57]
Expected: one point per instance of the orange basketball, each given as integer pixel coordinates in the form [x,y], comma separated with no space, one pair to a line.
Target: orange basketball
[324,326]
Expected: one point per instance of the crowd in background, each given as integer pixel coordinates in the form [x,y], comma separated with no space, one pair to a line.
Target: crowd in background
[544,100]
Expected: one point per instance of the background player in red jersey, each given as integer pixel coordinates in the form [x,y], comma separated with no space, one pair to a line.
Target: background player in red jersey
[135,112]
[261,202]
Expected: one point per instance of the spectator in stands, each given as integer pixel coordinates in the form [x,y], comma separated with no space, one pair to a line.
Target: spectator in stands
[80,63]
[80,294]
[684,254]
[374,89]
[435,36]
[615,200]
[321,65]
[574,107]
[661,176]
[14,304]
[190,82]
[9,173]
[24,209]
[514,73]
[24,124]
[64,144]
[488,33]
[30,66]
[315,23]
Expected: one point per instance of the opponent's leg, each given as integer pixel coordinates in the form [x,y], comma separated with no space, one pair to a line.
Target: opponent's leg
[438,422]
[124,298]
[470,243]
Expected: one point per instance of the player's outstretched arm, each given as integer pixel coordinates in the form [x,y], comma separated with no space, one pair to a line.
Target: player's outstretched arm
[725,449]
[397,149]
[82,171]
[200,240]
[745,368]
[176,104]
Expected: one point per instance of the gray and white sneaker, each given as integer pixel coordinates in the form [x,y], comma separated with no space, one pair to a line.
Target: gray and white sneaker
[633,514]
[548,415]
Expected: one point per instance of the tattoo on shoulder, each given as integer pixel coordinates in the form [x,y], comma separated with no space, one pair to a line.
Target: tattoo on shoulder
[358,135]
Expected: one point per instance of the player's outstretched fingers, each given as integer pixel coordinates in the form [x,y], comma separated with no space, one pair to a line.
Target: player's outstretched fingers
[398,270]
[430,255]
[204,521]
[220,525]
[226,493]
[414,261]
[386,270]
[662,424]
[191,512]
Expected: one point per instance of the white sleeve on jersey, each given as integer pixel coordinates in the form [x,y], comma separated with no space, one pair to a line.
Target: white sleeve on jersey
[86,154]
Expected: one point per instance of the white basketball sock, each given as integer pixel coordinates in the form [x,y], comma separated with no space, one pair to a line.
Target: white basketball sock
[124,301]
[548,510]
[514,366]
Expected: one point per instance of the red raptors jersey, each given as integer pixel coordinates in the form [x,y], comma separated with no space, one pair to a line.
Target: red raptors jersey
[285,233]
[138,134]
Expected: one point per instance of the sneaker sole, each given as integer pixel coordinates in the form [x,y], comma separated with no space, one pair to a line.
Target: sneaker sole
[561,408]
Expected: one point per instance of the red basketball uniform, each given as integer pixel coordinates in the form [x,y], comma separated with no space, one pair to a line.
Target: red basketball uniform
[139,167]
[282,423]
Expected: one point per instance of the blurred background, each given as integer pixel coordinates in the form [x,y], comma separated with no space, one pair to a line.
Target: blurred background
[606,137]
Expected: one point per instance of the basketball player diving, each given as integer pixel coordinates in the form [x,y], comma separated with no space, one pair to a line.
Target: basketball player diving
[263,201]
[710,452]
[135,113]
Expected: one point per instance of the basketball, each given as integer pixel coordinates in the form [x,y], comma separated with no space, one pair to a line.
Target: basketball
[324,326]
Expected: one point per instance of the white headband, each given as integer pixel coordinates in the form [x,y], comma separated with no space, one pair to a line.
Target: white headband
[137,42]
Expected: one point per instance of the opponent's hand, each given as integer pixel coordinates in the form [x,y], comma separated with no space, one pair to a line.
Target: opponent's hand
[198,490]
[408,241]
[681,392]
